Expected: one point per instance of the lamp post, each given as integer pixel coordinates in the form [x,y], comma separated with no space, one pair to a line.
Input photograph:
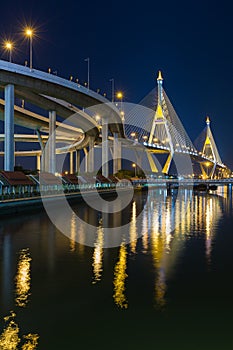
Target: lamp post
[88,72]
[134,165]
[119,96]
[113,91]
[9,47]
[29,34]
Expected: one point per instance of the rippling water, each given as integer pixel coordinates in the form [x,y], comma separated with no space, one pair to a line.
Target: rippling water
[170,288]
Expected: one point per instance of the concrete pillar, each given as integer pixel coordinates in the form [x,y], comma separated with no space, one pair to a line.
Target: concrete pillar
[42,146]
[77,163]
[105,147]
[52,141]
[86,159]
[90,156]
[46,159]
[71,162]
[116,153]
[38,163]
[9,160]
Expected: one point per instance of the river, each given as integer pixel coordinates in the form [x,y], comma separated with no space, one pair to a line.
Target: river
[167,288]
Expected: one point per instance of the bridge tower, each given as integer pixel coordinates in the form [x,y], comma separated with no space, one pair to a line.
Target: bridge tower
[160,132]
[209,150]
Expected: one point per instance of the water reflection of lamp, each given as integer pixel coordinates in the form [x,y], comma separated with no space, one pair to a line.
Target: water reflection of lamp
[73,230]
[9,339]
[98,256]
[23,278]
[133,228]
[119,278]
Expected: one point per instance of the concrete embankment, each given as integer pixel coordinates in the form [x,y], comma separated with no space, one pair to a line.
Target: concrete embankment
[31,204]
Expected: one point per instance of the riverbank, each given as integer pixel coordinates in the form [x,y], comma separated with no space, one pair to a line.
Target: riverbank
[22,205]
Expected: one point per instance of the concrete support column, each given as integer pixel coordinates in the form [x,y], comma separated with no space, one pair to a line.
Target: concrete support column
[86,159]
[77,162]
[38,163]
[9,160]
[90,156]
[42,146]
[71,162]
[46,159]
[116,153]
[105,171]
[52,141]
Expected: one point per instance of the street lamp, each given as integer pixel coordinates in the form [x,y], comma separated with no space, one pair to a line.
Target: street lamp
[9,46]
[88,72]
[29,34]
[134,165]
[113,91]
[119,96]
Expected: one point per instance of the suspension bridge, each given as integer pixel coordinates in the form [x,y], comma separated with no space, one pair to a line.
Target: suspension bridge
[76,119]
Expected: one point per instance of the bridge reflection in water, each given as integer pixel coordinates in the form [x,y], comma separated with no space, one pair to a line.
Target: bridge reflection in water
[78,274]
[167,221]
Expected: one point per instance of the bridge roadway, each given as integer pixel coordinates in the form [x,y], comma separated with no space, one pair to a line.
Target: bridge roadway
[198,156]
[51,92]
[66,98]
[58,96]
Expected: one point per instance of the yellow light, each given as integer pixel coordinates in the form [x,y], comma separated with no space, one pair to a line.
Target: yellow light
[8,45]
[133,134]
[134,165]
[23,278]
[120,276]
[28,31]
[119,95]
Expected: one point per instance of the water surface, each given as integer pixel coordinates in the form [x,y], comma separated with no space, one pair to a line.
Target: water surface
[168,289]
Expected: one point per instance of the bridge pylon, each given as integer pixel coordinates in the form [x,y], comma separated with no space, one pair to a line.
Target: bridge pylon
[208,149]
[160,132]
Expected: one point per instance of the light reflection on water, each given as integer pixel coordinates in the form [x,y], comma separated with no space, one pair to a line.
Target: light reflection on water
[120,276]
[23,279]
[10,339]
[168,228]
[197,214]
[98,256]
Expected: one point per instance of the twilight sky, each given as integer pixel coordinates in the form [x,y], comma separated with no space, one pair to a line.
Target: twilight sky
[190,41]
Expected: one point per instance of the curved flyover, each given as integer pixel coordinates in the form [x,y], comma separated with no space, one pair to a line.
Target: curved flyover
[52,93]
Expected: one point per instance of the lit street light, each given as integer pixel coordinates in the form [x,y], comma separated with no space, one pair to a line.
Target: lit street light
[29,34]
[9,47]
[134,165]
[119,96]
